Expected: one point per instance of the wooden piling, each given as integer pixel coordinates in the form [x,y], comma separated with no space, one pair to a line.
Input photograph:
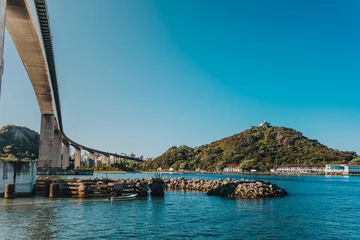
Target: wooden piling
[9,191]
[54,190]
[82,190]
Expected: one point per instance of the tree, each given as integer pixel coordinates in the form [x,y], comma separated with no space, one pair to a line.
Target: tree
[8,149]
[248,164]
[220,166]
[355,161]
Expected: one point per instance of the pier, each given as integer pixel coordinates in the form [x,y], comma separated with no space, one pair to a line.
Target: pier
[90,188]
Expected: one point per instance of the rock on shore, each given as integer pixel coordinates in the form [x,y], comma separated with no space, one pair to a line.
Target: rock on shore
[228,187]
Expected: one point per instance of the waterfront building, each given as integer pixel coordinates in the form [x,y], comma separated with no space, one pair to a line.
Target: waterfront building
[232,168]
[334,168]
[20,173]
[299,168]
[351,169]
[342,168]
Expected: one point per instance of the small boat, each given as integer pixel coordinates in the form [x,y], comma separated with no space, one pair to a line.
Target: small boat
[124,197]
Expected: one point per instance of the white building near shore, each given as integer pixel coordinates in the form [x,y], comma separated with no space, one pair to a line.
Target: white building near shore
[232,168]
[299,169]
[342,168]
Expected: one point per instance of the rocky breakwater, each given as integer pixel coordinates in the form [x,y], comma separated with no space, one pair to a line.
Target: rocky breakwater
[228,187]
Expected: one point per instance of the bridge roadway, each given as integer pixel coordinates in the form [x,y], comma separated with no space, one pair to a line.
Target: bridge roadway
[27,22]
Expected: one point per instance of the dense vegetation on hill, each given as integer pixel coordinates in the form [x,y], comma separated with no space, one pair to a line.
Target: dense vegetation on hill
[18,143]
[256,148]
[259,148]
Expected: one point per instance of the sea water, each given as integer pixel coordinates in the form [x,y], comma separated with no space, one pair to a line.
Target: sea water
[317,207]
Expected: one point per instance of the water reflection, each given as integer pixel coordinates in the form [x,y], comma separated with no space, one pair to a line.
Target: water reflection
[41,221]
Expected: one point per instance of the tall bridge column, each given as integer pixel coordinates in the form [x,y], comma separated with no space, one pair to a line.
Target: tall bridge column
[106,160]
[57,149]
[96,159]
[46,141]
[65,155]
[2,35]
[91,159]
[77,158]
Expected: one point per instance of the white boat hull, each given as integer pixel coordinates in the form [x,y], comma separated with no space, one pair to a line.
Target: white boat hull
[124,198]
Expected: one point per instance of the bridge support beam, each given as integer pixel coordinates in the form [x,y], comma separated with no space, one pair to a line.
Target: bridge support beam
[77,158]
[2,35]
[57,149]
[65,155]
[46,141]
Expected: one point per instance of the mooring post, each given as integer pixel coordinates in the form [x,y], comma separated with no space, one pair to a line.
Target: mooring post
[54,190]
[9,191]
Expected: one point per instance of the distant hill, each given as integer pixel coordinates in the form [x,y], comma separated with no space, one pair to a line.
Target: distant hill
[259,148]
[19,142]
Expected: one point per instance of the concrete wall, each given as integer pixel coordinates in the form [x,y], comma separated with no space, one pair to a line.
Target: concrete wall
[23,174]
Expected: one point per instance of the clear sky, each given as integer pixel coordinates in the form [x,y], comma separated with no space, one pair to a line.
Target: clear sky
[141,76]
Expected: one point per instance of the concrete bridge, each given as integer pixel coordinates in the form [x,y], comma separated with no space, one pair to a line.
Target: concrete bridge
[27,22]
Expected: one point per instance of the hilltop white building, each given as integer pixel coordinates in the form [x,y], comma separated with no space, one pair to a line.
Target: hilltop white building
[265,124]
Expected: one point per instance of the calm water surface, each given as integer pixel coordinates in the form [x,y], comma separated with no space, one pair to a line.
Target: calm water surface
[317,207]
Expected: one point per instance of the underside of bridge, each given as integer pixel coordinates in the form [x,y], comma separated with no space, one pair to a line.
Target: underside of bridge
[22,28]
[28,25]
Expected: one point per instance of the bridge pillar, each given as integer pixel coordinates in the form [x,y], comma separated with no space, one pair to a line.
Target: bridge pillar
[91,159]
[97,159]
[46,141]
[2,35]
[57,149]
[106,160]
[77,158]
[66,155]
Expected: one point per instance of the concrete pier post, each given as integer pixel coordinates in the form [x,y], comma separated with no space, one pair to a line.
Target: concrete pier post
[46,141]
[65,155]
[77,161]
[2,36]
[9,191]
[57,149]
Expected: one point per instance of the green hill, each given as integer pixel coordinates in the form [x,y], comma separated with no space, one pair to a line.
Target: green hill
[258,147]
[18,143]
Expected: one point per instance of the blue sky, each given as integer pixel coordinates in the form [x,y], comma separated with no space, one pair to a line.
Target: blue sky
[141,76]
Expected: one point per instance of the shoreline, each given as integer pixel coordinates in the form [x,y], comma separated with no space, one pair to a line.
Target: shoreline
[231,173]
[110,172]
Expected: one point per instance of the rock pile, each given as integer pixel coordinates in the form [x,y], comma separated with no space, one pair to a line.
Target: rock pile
[228,187]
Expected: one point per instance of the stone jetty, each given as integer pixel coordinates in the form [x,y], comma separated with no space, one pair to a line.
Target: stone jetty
[111,187]
[228,187]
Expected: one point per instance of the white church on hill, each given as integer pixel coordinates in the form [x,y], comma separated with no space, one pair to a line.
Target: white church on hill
[265,124]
